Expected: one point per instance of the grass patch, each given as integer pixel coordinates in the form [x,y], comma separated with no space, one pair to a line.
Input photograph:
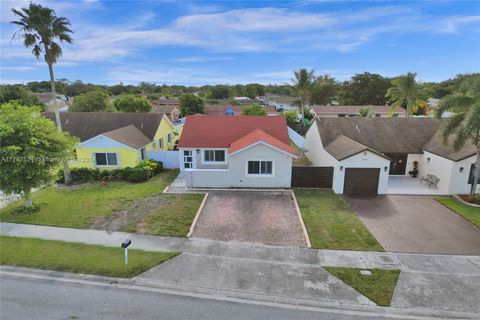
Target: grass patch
[78,258]
[331,223]
[173,219]
[82,207]
[470,213]
[378,287]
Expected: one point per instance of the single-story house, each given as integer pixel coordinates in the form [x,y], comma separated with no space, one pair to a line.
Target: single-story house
[172,111]
[353,111]
[236,152]
[281,103]
[230,110]
[111,140]
[366,152]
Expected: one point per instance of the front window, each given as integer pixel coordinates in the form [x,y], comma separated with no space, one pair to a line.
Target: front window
[106,159]
[169,138]
[214,155]
[260,167]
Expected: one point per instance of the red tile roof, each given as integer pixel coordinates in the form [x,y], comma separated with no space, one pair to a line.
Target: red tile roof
[223,131]
[259,135]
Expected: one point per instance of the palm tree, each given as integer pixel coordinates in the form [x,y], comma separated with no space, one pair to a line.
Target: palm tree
[302,84]
[464,125]
[40,28]
[405,93]
[365,112]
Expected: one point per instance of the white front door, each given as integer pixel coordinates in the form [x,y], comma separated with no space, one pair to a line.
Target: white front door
[188,159]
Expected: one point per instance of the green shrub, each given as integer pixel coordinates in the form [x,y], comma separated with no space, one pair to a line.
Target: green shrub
[137,175]
[151,167]
[117,174]
[85,174]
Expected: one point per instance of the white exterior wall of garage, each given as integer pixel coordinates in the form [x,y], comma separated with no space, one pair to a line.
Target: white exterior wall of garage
[235,174]
[365,159]
[320,157]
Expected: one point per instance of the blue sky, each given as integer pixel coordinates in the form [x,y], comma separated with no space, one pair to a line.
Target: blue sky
[209,42]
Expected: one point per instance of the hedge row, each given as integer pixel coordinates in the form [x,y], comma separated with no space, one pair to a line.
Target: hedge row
[144,171]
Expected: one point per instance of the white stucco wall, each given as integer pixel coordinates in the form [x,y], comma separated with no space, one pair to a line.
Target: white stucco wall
[236,174]
[459,180]
[314,149]
[365,159]
[410,159]
[438,166]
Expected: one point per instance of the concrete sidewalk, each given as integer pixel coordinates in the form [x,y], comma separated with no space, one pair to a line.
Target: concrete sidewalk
[430,282]
[419,263]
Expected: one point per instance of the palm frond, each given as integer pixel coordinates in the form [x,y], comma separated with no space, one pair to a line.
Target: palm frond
[453,124]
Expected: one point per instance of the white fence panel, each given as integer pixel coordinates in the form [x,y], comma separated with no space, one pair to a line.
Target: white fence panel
[296,138]
[170,159]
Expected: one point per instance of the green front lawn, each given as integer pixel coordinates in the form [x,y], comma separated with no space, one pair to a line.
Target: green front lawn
[75,257]
[331,224]
[121,206]
[378,287]
[470,213]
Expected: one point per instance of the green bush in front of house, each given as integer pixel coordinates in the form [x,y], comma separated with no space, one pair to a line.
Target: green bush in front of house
[144,171]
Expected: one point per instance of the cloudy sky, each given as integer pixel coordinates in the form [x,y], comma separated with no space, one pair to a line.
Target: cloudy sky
[210,42]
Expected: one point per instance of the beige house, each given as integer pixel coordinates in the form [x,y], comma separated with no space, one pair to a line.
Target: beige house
[353,111]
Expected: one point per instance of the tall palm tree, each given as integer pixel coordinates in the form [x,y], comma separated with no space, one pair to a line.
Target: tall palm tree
[405,93]
[40,28]
[302,84]
[464,125]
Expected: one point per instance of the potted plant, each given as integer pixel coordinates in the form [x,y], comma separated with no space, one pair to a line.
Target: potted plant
[414,171]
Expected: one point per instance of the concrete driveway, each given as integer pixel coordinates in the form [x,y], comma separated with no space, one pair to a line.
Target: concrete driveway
[416,224]
[267,217]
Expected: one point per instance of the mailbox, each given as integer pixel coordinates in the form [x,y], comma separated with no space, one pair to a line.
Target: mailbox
[126,243]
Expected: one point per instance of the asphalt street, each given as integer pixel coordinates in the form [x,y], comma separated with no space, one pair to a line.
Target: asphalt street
[25,298]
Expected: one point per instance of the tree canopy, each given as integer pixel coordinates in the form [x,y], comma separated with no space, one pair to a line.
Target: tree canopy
[323,91]
[364,89]
[132,103]
[18,93]
[254,110]
[191,104]
[92,101]
[220,92]
[30,148]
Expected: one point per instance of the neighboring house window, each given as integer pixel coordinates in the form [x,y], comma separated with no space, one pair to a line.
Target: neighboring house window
[142,154]
[260,167]
[160,143]
[169,138]
[341,115]
[395,115]
[214,156]
[377,115]
[106,159]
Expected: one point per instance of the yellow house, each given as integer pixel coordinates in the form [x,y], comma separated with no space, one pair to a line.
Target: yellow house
[117,140]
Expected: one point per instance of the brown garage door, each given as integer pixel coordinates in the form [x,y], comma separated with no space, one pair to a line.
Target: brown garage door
[361,182]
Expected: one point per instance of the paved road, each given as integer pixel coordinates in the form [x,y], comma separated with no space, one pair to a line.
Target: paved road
[39,299]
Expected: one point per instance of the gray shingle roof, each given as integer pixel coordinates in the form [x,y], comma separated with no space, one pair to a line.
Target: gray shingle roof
[129,135]
[386,135]
[86,125]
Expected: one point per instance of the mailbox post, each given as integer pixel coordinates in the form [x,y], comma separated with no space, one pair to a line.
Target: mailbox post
[125,246]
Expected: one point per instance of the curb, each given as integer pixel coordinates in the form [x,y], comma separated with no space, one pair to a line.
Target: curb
[197,215]
[304,229]
[331,306]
